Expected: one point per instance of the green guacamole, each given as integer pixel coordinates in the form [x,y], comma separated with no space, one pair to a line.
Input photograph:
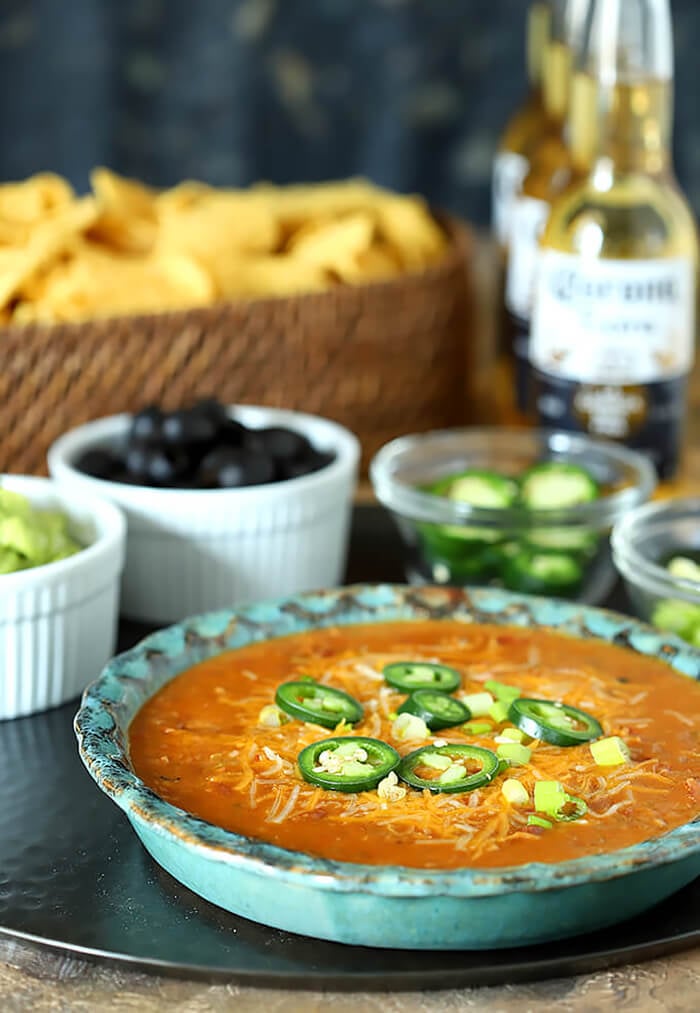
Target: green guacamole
[30,537]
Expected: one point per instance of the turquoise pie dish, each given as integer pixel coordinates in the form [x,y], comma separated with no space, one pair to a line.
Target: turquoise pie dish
[384,906]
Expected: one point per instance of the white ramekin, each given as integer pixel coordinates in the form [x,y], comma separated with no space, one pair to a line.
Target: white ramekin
[58,622]
[191,551]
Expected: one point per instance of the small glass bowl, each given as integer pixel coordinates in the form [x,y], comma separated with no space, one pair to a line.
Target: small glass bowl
[642,542]
[448,542]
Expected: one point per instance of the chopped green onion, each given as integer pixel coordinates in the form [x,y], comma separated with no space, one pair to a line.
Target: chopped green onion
[272,717]
[514,792]
[408,726]
[550,796]
[538,821]
[573,809]
[610,752]
[306,678]
[498,711]
[502,691]
[510,735]
[514,753]
[477,728]
[479,704]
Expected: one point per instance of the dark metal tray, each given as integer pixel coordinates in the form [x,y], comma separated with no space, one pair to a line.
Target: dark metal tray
[74,877]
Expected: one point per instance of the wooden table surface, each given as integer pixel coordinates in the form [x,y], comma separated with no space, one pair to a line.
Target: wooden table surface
[31,979]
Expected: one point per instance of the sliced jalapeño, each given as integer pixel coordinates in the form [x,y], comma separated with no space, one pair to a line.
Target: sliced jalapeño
[556,723]
[437,709]
[555,485]
[479,488]
[451,768]
[321,705]
[408,676]
[543,572]
[347,763]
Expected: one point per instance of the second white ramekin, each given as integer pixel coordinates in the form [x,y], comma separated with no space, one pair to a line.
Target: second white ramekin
[58,622]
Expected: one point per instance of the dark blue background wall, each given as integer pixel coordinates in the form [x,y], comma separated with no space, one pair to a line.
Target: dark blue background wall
[410,92]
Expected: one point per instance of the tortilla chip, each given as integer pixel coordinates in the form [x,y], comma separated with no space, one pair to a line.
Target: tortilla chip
[127,221]
[97,282]
[216,225]
[375,264]
[334,245]
[265,276]
[182,196]
[13,233]
[130,249]
[46,242]
[312,201]
[29,201]
[409,228]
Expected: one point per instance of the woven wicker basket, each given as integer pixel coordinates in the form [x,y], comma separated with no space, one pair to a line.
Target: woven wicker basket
[381,359]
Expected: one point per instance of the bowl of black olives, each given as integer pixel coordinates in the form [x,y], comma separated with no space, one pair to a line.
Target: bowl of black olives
[223,505]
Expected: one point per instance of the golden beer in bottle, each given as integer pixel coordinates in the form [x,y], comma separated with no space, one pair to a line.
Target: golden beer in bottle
[613,325]
[549,173]
[524,129]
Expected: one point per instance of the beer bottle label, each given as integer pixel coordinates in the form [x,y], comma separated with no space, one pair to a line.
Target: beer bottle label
[529,216]
[509,171]
[612,343]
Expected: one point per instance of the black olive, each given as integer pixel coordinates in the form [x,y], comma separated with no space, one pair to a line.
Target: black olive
[137,459]
[187,428]
[306,465]
[98,463]
[146,424]
[202,447]
[153,466]
[164,469]
[231,467]
[281,444]
[233,433]
[213,410]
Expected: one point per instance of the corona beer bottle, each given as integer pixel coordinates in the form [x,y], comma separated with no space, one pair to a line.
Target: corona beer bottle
[549,174]
[613,324]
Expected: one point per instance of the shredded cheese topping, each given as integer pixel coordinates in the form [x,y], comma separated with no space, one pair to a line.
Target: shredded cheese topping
[249,755]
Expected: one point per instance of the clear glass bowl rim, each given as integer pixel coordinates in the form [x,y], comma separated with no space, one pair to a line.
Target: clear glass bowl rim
[416,505]
[635,567]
